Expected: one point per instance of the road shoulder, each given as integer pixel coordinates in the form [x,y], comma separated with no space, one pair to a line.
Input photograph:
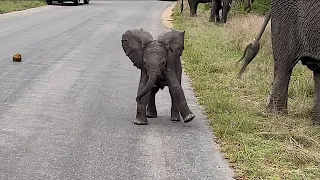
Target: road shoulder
[25,11]
[221,162]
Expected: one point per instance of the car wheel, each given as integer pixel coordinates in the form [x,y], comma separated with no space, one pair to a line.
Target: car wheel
[86,1]
[76,2]
[49,2]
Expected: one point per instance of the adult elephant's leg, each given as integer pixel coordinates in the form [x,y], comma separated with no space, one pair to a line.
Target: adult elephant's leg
[279,95]
[151,108]
[219,7]
[141,118]
[193,4]
[225,11]
[214,9]
[178,96]
[316,108]
[196,8]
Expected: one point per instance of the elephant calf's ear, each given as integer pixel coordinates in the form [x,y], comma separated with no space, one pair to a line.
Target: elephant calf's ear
[174,39]
[132,44]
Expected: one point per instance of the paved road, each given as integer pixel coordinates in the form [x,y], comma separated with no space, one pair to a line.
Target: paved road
[66,111]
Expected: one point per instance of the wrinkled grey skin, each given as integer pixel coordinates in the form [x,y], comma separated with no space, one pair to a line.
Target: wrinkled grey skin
[160,65]
[295,36]
[216,6]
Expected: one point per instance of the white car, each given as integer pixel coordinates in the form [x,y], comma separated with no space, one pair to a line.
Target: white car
[75,2]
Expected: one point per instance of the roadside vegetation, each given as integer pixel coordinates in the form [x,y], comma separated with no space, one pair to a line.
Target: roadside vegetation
[18,5]
[257,146]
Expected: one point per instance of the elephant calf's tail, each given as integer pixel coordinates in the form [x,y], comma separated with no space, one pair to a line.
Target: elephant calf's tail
[252,49]
[181,6]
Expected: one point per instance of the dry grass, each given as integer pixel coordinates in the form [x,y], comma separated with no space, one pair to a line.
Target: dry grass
[166,16]
[258,146]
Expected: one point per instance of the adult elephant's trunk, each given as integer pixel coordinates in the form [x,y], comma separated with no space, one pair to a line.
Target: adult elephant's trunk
[151,81]
[252,49]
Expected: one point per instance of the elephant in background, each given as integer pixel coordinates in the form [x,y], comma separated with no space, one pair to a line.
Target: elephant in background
[295,37]
[160,65]
[216,6]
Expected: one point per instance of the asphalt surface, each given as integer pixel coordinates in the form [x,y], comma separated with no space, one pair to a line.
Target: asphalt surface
[66,110]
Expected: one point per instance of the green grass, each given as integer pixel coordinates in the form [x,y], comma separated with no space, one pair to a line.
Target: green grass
[257,146]
[259,7]
[18,5]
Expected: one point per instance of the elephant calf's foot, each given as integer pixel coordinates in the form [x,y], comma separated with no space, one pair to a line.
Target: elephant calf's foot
[140,121]
[189,118]
[186,114]
[175,115]
[175,118]
[152,113]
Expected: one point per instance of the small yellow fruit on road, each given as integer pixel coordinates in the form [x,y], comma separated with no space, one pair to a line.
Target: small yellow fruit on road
[17,57]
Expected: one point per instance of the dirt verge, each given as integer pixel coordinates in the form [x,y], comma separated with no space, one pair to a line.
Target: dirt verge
[166,16]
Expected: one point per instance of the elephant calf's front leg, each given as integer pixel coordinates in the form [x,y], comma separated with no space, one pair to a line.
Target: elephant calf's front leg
[141,118]
[151,109]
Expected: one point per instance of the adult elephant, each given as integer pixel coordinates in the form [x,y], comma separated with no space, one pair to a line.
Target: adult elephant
[160,65]
[216,6]
[295,35]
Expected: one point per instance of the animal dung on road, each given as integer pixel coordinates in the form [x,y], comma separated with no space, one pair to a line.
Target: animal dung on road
[17,57]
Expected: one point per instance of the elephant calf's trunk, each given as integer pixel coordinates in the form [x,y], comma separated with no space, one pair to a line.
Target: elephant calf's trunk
[151,81]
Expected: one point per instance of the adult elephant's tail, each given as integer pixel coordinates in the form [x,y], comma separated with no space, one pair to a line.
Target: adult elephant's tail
[181,6]
[252,49]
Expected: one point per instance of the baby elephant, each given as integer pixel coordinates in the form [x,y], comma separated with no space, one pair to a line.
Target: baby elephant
[160,65]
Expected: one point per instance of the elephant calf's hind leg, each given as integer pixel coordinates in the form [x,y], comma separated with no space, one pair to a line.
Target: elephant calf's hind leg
[176,91]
